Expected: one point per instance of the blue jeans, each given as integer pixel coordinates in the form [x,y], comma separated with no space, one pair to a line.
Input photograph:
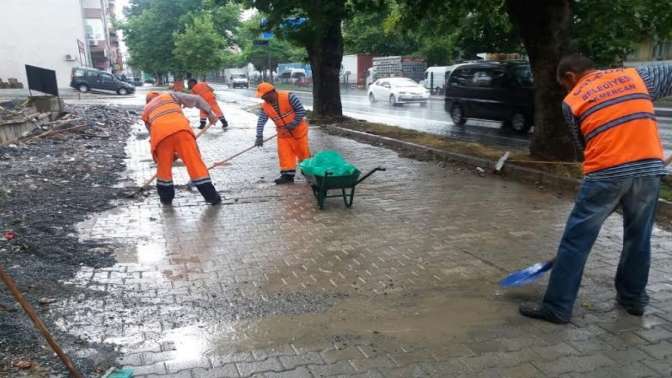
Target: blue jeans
[638,196]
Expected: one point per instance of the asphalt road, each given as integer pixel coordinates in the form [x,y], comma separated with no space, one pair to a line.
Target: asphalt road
[433,118]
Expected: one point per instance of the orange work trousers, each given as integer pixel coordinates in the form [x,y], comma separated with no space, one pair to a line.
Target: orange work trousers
[183,144]
[291,151]
[215,108]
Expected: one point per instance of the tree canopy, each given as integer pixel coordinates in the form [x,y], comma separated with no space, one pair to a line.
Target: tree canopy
[180,36]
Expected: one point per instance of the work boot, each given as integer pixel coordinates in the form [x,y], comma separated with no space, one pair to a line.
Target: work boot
[202,125]
[284,179]
[166,191]
[209,193]
[224,123]
[632,309]
[538,311]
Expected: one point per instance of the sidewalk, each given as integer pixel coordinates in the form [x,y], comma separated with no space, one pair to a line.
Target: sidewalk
[404,284]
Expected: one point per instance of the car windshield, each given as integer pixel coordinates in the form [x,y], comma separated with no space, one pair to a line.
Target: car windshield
[404,83]
[239,76]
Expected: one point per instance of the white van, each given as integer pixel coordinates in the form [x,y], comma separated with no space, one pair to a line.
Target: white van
[435,78]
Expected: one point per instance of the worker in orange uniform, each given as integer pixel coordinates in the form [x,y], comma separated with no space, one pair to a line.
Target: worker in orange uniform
[171,136]
[286,111]
[612,117]
[206,92]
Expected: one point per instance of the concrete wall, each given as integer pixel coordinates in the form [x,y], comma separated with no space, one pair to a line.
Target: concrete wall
[40,33]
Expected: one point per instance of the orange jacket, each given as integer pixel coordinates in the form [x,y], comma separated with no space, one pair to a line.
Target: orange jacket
[164,116]
[286,116]
[616,118]
[203,89]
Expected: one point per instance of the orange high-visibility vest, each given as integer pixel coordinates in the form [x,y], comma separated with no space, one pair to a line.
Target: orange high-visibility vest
[164,116]
[202,89]
[286,116]
[616,118]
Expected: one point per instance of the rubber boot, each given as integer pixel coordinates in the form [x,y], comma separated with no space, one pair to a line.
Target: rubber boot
[224,123]
[209,193]
[202,125]
[166,192]
[284,179]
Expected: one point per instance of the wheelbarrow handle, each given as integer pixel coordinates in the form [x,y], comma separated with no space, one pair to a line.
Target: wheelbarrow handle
[370,173]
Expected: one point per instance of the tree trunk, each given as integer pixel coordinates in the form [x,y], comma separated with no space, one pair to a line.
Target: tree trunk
[545,30]
[325,54]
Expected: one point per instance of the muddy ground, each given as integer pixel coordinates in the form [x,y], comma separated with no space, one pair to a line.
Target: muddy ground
[47,185]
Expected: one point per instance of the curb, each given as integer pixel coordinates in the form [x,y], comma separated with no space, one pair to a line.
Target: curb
[512,171]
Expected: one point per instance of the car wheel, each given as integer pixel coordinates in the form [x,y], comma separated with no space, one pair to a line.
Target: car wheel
[83,88]
[393,100]
[457,114]
[122,91]
[372,98]
[518,122]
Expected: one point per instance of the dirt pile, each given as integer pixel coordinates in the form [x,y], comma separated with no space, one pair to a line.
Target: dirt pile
[50,182]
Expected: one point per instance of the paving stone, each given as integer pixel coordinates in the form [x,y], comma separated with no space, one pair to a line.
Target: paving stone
[300,372]
[309,358]
[660,350]
[574,364]
[270,272]
[225,371]
[339,368]
[181,374]
[249,368]
[635,369]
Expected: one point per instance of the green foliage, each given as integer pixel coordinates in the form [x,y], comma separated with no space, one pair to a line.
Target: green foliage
[199,48]
[153,28]
[608,30]
[279,50]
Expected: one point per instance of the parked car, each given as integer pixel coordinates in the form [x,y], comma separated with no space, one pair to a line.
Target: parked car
[499,91]
[137,82]
[398,91]
[239,81]
[86,79]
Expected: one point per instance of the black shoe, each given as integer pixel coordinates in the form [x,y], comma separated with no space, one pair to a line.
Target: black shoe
[209,193]
[537,311]
[202,125]
[224,123]
[634,310]
[166,202]
[284,179]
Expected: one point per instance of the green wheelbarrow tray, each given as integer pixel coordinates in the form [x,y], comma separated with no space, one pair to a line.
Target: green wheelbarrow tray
[321,185]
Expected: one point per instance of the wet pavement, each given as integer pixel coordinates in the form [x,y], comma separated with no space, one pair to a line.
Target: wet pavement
[404,284]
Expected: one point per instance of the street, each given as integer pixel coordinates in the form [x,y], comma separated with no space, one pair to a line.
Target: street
[432,119]
[404,284]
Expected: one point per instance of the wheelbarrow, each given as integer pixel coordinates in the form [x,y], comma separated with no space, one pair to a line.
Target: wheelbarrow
[321,185]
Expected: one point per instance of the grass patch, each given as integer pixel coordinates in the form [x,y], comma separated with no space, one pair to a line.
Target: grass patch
[666,189]
[518,157]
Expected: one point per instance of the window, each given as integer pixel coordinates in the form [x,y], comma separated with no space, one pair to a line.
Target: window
[461,77]
[523,76]
[487,78]
[79,73]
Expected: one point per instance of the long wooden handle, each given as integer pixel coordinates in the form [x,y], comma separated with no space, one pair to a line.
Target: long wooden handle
[39,324]
[151,179]
[222,162]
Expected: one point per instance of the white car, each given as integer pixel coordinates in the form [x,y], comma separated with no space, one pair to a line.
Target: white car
[239,81]
[398,91]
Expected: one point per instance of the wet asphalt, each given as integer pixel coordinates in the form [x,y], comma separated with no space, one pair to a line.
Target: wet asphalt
[432,119]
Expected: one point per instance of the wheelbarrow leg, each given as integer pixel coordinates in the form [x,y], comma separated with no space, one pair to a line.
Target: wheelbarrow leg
[348,203]
[322,195]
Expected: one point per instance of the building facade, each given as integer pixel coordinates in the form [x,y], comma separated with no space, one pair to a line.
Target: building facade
[57,35]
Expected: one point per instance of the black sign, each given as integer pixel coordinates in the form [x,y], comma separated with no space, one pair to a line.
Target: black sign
[260,43]
[41,79]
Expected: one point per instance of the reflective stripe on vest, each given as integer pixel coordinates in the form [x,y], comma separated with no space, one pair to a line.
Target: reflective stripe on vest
[162,105]
[616,118]
[286,114]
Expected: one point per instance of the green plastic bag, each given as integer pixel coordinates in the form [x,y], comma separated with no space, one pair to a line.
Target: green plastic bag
[327,161]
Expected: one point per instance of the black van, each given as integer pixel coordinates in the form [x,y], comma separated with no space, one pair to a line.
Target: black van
[499,91]
[86,79]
